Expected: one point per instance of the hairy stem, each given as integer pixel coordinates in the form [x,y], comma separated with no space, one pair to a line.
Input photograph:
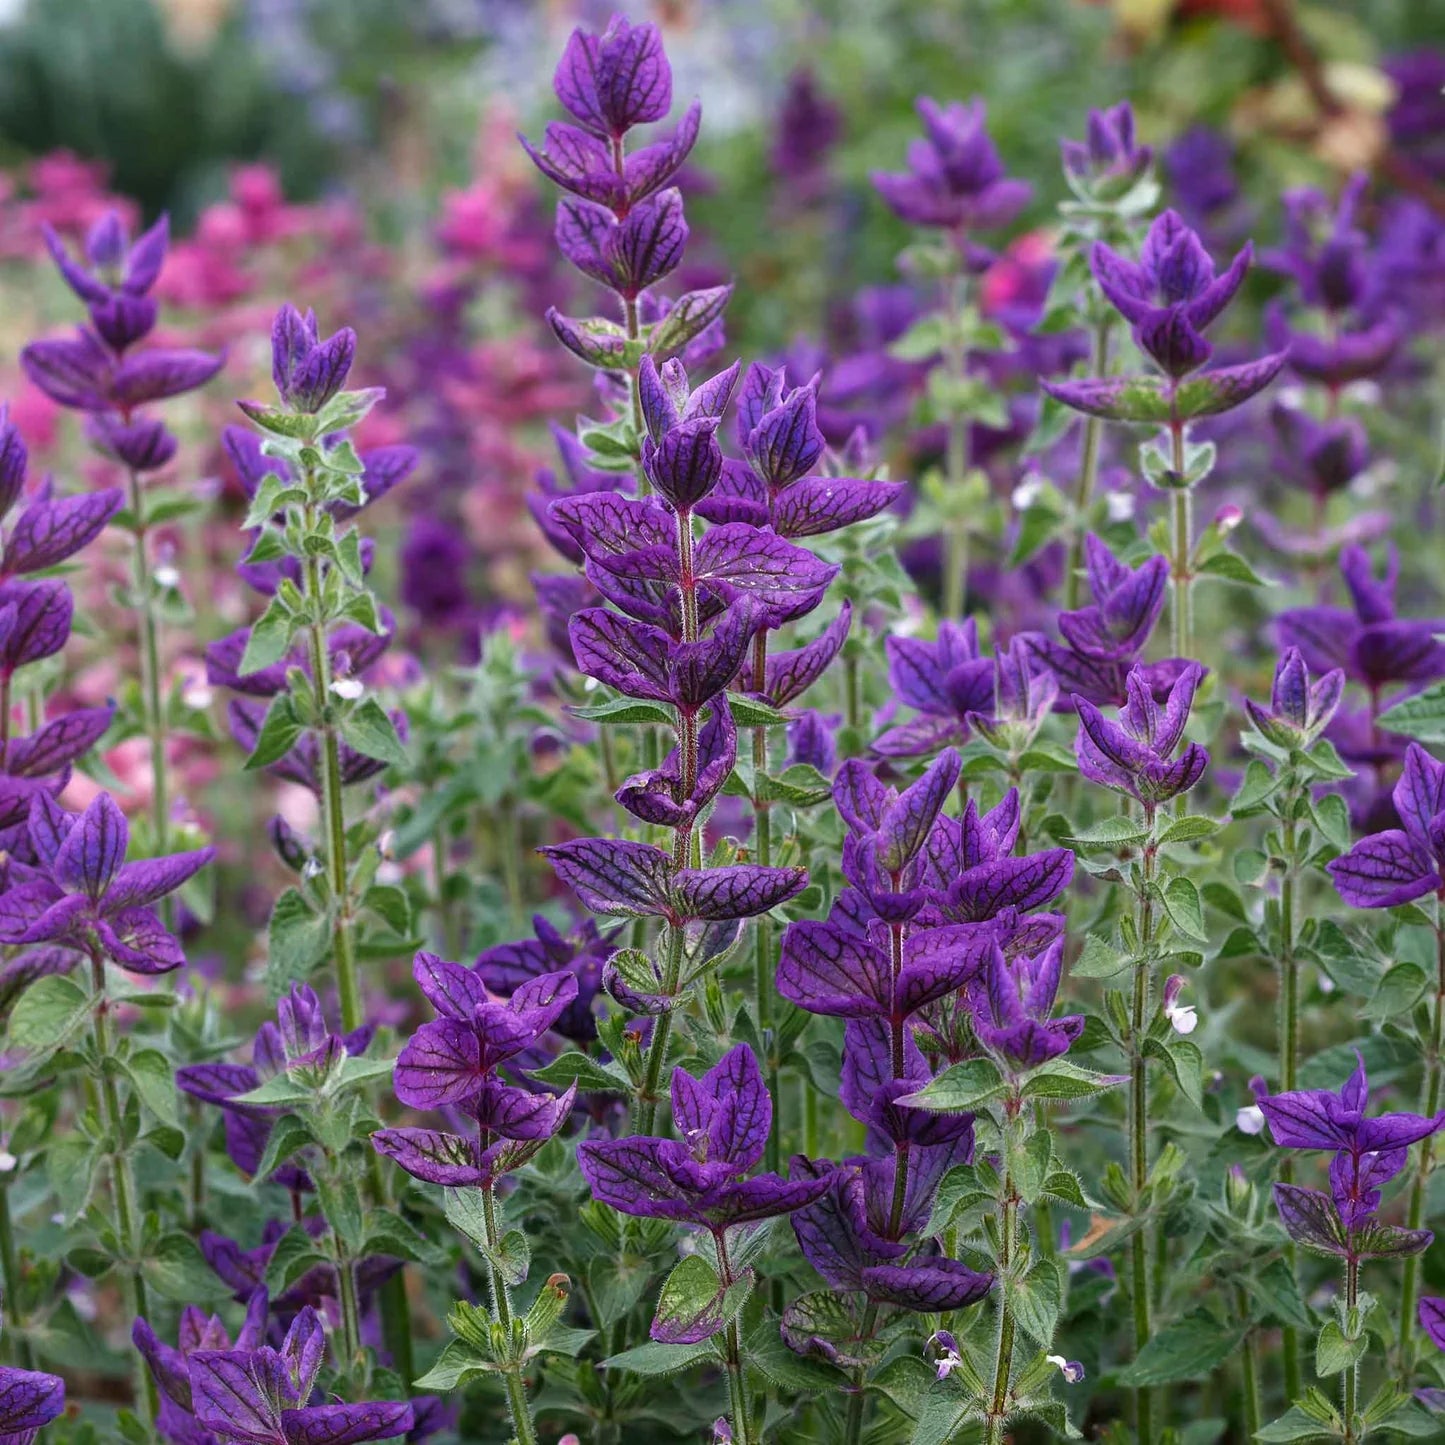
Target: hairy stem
[1289,1056]
[517,1405]
[955,557]
[1420,1189]
[1004,1353]
[1141,1288]
[1351,1383]
[124,1197]
[764,963]
[1182,545]
[20,1350]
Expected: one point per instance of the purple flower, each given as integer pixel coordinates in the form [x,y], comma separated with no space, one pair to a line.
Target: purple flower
[29,1399]
[973,874]
[955,178]
[504,967]
[1109,162]
[83,894]
[115,276]
[260,1396]
[170,1366]
[83,373]
[1324,457]
[41,761]
[1321,1119]
[452,1059]
[299,1042]
[808,126]
[723,1120]
[945,680]
[1105,639]
[626,255]
[1012,1002]
[887,830]
[1400,864]
[1300,709]
[616,80]
[307,371]
[1432,1320]
[1369,642]
[1136,754]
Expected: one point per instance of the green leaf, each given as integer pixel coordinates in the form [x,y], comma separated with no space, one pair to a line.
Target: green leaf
[1189,828]
[749,713]
[693,1298]
[47,1014]
[297,941]
[154,1080]
[1255,790]
[590,1075]
[369,730]
[961,1088]
[465,1210]
[456,1364]
[277,1092]
[1181,903]
[295,1253]
[1397,993]
[1035,1301]
[512,1256]
[1185,1064]
[1100,959]
[654,1359]
[1334,1353]
[1420,716]
[1111,833]
[270,639]
[801,786]
[1293,1425]
[341,1206]
[1059,1079]
[288,1134]
[279,731]
[176,1268]
[1189,1350]
[1229,567]
[626,710]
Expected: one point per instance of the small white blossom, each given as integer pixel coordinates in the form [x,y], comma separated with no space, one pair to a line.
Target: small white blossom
[1250,1119]
[1119,506]
[349,688]
[8,1162]
[1183,1017]
[1071,1370]
[167,575]
[1028,492]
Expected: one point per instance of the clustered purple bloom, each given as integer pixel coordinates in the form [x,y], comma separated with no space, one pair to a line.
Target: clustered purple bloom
[29,1400]
[99,371]
[453,1062]
[1367,1155]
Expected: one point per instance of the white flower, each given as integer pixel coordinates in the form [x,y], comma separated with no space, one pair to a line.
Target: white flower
[8,1162]
[167,575]
[349,688]
[1071,1370]
[198,696]
[1028,492]
[1183,1017]
[1250,1119]
[1120,506]
[947,1363]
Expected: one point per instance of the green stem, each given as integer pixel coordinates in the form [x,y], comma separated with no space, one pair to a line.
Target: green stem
[1003,1358]
[350,1312]
[521,1411]
[1253,1414]
[1420,1189]
[737,1383]
[1140,1285]
[1182,543]
[1351,1384]
[763,961]
[20,1350]
[510,847]
[1088,474]
[955,561]
[124,1196]
[148,627]
[661,1030]
[1289,1057]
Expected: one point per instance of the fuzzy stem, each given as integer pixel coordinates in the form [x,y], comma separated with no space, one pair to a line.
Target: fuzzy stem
[1351,1383]
[737,1382]
[1420,1189]
[350,1312]
[1088,473]
[1140,1284]
[124,1196]
[955,557]
[19,1346]
[521,1411]
[1181,569]
[1250,1362]
[1289,1055]
[1003,1358]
